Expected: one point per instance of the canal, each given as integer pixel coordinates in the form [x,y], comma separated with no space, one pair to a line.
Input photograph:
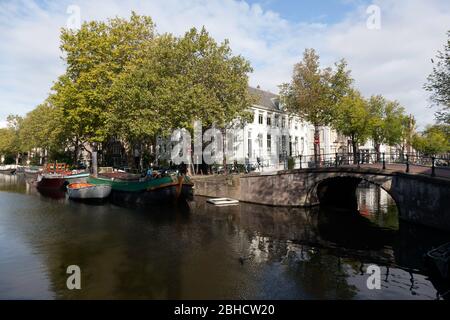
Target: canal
[203,252]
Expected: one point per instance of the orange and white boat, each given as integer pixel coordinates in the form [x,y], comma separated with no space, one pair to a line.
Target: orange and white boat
[87,191]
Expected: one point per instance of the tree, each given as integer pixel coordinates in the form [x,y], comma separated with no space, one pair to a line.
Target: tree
[433,141]
[95,55]
[314,93]
[386,122]
[9,138]
[439,83]
[6,142]
[44,128]
[180,80]
[352,119]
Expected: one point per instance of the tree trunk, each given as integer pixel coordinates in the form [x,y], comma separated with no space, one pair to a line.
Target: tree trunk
[355,151]
[130,157]
[75,156]
[224,151]
[317,145]
[94,159]
[377,147]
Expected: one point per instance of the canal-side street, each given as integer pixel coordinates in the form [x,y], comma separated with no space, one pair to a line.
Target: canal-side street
[204,252]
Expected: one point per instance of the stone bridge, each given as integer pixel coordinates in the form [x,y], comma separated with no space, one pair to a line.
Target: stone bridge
[421,199]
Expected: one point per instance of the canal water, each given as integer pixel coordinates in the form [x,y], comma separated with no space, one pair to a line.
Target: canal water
[204,252]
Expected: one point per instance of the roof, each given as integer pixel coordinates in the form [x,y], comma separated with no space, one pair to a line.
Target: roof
[266,99]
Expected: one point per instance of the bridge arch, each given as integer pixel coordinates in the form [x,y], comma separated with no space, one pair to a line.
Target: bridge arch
[419,199]
[339,190]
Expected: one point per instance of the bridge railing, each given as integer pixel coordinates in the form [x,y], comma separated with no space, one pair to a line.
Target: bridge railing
[409,163]
[414,163]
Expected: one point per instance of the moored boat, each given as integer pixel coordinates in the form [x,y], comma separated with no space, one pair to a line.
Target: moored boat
[438,260]
[31,173]
[50,181]
[8,169]
[168,189]
[76,177]
[87,191]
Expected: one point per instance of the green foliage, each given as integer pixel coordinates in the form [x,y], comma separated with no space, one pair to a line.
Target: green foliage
[433,141]
[314,92]
[291,163]
[43,128]
[386,121]
[125,81]
[439,83]
[352,118]
[95,56]
[178,81]
[9,137]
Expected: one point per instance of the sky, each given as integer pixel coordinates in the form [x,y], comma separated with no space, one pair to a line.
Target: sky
[388,44]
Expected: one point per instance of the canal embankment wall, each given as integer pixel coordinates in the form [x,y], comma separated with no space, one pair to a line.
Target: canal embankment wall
[420,199]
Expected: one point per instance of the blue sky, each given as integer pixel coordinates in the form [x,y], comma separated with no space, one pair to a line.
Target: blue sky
[393,60]
[311,11]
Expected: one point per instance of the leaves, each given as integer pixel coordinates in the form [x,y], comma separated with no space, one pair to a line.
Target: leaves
[314,92]
[387,119]
[352,117]
[125,81]
[433,141]
[439,83]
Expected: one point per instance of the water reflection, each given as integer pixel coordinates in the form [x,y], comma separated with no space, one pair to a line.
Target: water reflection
[205,252]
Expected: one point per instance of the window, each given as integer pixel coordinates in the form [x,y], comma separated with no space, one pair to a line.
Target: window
[260,118]
[269,120]
[283,143]
[302,145]
[235,145]
[283,122]
[269,143]
[260,141]
[277,120]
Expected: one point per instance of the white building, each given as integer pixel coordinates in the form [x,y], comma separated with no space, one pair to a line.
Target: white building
[272,135]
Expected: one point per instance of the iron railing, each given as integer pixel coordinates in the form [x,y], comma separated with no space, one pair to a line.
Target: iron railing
[409,163]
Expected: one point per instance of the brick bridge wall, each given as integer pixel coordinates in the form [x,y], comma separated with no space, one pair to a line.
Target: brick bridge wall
[420,199]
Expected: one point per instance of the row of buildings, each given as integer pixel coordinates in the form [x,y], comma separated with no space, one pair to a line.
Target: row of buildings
[274,135]
[271,137]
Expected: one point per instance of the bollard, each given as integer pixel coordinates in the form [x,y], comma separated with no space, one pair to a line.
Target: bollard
[300,161]
[407,162]
[384,162]
[336,160]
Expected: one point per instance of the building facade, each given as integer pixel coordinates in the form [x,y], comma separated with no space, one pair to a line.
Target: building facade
[272,136]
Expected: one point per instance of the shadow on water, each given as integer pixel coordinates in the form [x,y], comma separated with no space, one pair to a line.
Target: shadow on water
[199,251]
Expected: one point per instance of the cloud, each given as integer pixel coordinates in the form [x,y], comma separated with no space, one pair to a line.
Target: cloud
[393,61]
